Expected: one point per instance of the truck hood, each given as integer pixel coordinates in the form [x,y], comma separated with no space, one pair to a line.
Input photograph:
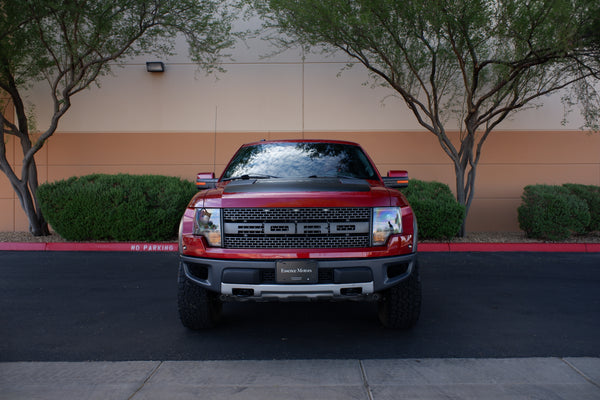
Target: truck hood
[309,192]
[297,185]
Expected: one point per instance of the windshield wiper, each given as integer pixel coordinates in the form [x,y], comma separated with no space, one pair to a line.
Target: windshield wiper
[247,177]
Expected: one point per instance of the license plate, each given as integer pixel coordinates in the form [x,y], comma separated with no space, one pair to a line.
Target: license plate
[297,271]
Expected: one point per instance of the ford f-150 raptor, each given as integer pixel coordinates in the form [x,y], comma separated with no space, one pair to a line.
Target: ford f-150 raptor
[299,220]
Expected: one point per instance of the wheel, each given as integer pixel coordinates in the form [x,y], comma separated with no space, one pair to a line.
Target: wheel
[198,308]
[400,306]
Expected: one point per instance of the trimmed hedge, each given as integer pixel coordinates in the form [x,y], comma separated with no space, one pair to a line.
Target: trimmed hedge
[439,215]
[591,195]
[552,212]
[116,207]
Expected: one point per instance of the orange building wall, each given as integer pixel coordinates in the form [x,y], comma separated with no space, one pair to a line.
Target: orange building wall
[510,161]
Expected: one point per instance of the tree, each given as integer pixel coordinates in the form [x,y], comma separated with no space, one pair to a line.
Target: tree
[72,43]
[464,63]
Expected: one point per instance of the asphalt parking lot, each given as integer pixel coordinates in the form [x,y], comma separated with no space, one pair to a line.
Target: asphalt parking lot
[100,325]
[105,306]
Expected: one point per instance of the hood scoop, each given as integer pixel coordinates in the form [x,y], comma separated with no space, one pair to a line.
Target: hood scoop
[297,185]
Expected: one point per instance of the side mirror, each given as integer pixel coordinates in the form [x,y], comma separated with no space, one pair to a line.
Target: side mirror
[396,179]
[206,180]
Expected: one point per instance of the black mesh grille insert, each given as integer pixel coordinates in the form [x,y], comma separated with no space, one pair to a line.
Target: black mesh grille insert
[297,214]
[296,242]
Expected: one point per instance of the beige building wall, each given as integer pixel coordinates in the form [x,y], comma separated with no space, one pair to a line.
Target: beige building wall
[512,159]
[183,121]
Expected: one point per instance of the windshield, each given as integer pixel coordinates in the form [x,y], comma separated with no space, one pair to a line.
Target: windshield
[301,160]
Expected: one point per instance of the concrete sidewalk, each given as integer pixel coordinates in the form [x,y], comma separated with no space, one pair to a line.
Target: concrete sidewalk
[480,379]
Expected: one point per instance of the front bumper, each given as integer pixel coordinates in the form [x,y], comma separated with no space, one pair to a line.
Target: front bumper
[338,278]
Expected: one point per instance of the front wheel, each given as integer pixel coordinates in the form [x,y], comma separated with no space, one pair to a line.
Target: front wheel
[198,308]
[400,306]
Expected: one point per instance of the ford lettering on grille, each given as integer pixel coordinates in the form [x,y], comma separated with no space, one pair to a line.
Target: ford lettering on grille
[297,227]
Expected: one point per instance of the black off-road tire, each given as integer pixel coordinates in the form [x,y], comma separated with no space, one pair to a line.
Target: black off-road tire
[400,306]
[198,308]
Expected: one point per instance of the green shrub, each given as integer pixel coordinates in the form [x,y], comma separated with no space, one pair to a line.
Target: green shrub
[591,195]
[116,207]
[552,213]
[439,215]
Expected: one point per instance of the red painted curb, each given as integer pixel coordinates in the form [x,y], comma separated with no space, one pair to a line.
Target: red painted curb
[423,247]
[17,246]
[532,247]
[508,247]
[592,247]
[69,246]
[442,247]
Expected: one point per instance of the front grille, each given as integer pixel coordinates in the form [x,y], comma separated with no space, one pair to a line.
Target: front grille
[300,228]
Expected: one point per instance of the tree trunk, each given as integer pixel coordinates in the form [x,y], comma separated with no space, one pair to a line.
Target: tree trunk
[461,194]
[37,223]
[25,189]
[465,187]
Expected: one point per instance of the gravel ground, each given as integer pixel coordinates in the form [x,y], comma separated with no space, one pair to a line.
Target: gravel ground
[472,237]
[517,237]
[28,237]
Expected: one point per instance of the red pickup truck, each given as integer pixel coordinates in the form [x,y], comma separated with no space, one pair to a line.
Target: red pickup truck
[299,220]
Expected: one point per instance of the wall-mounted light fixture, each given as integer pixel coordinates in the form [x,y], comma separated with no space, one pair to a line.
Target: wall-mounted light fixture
[155,66]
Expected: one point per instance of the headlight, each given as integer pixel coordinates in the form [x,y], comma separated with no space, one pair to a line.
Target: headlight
[386,221]
[207,223]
